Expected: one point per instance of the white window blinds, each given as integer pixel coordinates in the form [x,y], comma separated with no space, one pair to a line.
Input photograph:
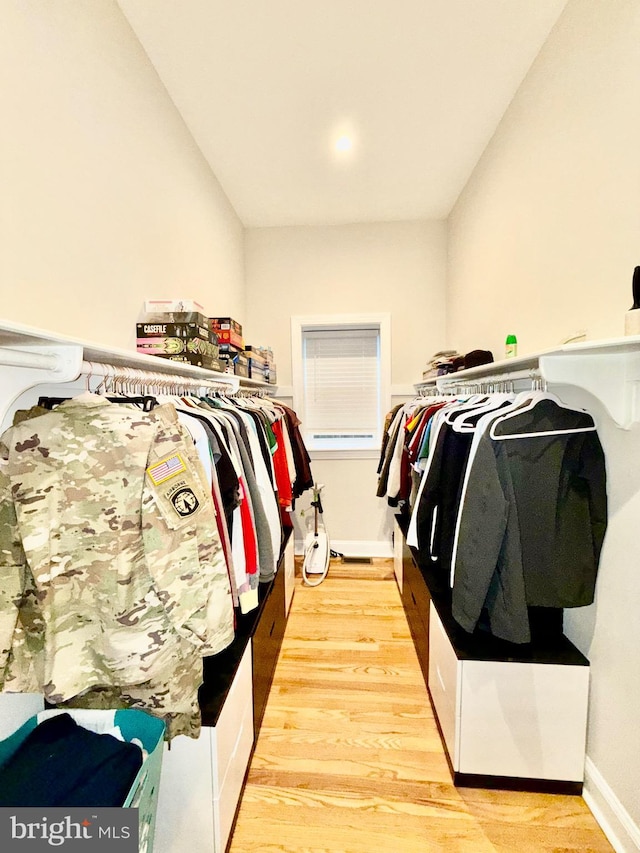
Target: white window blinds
[341,370]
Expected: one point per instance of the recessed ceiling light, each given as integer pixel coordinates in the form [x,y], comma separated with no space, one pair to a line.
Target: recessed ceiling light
[343,143]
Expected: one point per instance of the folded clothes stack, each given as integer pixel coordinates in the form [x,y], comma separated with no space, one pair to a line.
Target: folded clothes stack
[60,763]
[441,363]
[450,361]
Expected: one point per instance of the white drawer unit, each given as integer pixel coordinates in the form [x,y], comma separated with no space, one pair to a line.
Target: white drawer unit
[231,747]
[17,708]
[503,718]
[444,676]
[202,779]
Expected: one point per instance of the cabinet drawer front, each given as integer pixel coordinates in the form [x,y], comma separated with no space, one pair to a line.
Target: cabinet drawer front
[227,803]
[229,728]
[420,598]
[524,719]
[444,672]
[445,663]
[185,815]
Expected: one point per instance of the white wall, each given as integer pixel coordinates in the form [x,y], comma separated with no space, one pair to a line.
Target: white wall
[544,238]
[105,198]
[543,241]
[386,267]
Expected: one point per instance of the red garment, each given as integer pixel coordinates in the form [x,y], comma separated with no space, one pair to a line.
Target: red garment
[283,476]
[248,529]
[224,536]
[301,459]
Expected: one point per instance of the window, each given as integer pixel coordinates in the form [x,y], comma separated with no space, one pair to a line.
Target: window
[341,380]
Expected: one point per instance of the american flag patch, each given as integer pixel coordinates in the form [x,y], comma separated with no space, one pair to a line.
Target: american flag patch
[166,469]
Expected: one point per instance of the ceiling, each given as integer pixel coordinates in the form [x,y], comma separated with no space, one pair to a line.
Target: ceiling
[267,86]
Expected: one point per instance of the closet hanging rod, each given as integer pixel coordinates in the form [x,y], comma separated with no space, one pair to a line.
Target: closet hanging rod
[135,376]
[51,361]
[25,358]
[448,381]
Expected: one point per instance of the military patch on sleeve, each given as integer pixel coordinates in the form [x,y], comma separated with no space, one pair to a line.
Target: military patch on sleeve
[185,502]
[167,468]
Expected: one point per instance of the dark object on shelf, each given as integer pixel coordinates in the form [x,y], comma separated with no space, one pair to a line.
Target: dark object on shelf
[635,286]
[477,357]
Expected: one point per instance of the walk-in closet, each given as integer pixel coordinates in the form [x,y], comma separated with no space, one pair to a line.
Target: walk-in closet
[320,425]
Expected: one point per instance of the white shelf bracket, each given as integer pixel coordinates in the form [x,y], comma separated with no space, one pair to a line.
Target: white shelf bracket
[24,367]
[611,377]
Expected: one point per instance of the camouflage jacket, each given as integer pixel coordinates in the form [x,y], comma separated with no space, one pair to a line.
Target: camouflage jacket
[112,575]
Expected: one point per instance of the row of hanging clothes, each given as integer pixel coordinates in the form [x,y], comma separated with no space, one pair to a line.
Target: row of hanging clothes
[133,528]
[505,499]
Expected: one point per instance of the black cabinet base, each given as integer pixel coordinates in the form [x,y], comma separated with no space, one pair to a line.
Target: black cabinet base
[514,783]
[266,643]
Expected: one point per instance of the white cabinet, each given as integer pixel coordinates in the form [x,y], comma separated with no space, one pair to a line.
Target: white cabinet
[445,671]
[289,575]
[231,745]
[17,708]
[202,779]
[522,719]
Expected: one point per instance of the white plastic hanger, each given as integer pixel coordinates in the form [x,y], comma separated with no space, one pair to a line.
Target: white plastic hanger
[523,402]
[535,397]
[495,401]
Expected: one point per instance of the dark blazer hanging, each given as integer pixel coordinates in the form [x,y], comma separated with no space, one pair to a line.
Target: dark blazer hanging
[532,521]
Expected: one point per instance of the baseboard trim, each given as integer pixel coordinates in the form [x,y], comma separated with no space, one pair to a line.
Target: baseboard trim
[614,820]
[356,547]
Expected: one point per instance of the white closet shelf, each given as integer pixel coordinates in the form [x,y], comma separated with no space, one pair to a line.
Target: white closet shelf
[31,357]
[609,369]
[257,384]
[36,342]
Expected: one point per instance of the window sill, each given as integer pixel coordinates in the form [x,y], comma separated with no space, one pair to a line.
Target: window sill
[330,454]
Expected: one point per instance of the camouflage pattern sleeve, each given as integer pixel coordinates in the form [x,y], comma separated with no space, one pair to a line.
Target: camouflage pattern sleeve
[12,566]
[172,696]
[181,541]
[21,625]
[112,577]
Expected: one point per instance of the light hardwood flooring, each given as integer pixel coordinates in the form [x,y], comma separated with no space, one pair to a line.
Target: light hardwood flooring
[349,758]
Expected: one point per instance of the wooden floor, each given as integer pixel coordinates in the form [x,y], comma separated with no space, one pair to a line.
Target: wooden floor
[349,758]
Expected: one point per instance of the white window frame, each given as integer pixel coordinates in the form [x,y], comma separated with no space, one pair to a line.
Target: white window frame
[300,324]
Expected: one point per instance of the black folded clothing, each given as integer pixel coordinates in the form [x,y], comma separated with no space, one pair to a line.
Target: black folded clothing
[63,764]
[477,357]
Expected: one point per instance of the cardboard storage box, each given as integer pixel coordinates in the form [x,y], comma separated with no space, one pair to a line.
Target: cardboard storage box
[230,350]
[257,364]
[241,365]
[164,306]
[257,370]
[228,330]
[265,353]
[255,354]
[226,362]
[262,364]
[178,317]
[170,340]
[178,329]
[196,359]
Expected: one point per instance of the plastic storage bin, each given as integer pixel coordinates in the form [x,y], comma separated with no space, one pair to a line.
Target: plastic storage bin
[134,725]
